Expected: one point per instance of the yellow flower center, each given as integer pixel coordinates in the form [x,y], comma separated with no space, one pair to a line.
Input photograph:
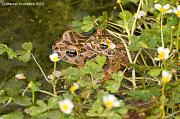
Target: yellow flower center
[178,13]
[108,104]
[161,55]
[73,88]
[166,79]
[55,59]
[65,107]
[162,10]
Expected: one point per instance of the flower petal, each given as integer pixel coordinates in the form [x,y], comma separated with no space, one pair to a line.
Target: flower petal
[166,50]
[156,58]
[175,10]
[116,104]
[160,49]
[166,74]
[178,7]
[169,11]
[166,6]
[157,6]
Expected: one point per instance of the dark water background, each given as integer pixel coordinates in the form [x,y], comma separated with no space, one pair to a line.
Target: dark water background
[40,22]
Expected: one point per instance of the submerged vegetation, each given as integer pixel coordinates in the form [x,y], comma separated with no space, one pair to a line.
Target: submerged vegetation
[35,83]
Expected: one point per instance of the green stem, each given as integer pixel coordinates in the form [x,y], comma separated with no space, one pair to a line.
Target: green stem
[6,104]
[40,68]
[142,57]
[162,99]
[54,80]
[134,23]
[129,56]
[171,44]
[162,39]
[33,96]
[153,61]
[137,55]
[177,40]
[45,92]
[125,23]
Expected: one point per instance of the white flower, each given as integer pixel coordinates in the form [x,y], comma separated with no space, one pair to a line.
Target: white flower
[110,101]
[177,11]
[54,57]
[163,53]
[141,14]
[163,9]
[57,74]
[74,87]
[66,106]
[20,76]
[166,76]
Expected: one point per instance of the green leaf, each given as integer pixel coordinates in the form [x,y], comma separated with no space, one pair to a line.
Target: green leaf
[10,52]
[117,76]
[71,77]
[112,86]
[91,67]
[23,55]
[88,23]
[146,94]
[128,17]
[177,117]
[34,86]
[53,102]
[100,60]
[36,110]
[3,48]
[13,115]
[97,106]
[22,100]
[54,114]
[76,25]
[154,72]
[27,46]
[14,87]
[172,20]
[4,98]
[122,110]
[134,44]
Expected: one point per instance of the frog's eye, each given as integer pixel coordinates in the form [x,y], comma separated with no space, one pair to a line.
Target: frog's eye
[103,46]
[71,52]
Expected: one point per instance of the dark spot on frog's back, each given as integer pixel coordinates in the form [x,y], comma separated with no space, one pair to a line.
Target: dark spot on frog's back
[65,58]
[72,37]
[66,42]
[93,56]
[83,50]
[55,48]
[76,61]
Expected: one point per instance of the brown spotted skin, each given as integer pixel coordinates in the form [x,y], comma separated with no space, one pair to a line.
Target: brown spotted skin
[77,49]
